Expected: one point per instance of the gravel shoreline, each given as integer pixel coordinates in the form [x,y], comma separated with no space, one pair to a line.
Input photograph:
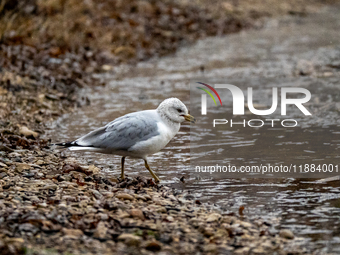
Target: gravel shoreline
[50,209]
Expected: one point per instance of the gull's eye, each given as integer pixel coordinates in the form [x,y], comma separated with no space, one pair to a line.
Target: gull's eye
[179,110]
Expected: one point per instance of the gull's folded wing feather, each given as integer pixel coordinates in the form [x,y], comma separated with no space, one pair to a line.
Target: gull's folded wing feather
[123,132]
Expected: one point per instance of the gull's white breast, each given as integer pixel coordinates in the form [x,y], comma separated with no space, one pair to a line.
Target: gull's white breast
[156,143]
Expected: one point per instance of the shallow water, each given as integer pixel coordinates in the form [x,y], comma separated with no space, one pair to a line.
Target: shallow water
[260,59]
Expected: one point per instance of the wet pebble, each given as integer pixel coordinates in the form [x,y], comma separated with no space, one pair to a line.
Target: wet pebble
[27,132]
[214,217]
[101,231]
[286,233]
[153,245]
[125,196]
[20,167]
[72,233]
[50,186]
[96,193]
[137,213]
[130,239]
[3,175]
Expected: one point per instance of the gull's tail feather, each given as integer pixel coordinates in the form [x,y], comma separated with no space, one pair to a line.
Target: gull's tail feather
[74,146]
[67,144]
[85,148]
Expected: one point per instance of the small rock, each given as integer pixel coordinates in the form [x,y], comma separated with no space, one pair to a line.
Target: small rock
[153,245]
[245,224]
[40,175]
[93,169]
[258,251]
[214,217]
[130,239]
[141,197]
[2,175]
[113,179]
[14,154]
[65,177]
[162,209]
[100,231]
[27,132]
[208,232]
[42,205]
[107,194]
[107,67]
[50,186]
[272,231]
[17,159]
[69,198]
[110,205]
[22,166]
[34,199]
[40,162]
[147,197]
[62,206]
[28,227]
[123,215]
[72,233]
[137,213]
[125,51]
[28,175]
[16,240]
[242,251]
[286,233]
[210,248]
[170,218]
[49,227]
[125,196]
[102,216]
[96,193]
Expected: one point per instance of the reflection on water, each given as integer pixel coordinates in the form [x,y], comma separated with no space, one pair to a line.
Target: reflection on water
[295,51]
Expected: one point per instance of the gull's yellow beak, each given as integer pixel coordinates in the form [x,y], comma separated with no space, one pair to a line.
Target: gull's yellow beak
[190,118]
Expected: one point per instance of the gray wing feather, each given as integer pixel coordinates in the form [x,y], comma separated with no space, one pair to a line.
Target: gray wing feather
[123,132]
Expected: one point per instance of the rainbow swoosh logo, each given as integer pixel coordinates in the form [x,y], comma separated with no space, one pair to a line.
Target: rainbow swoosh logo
[209,93]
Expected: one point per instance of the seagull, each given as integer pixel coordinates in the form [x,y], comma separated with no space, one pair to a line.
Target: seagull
[136,135]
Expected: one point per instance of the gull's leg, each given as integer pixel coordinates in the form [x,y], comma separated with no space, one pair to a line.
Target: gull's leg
[152,173]
[122,175]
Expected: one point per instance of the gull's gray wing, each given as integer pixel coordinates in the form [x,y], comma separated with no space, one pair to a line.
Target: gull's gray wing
[123,132]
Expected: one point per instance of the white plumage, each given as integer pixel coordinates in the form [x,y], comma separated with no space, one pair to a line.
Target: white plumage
[137,134]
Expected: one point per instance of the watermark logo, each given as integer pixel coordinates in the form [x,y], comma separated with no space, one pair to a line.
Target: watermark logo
[239,102]
[204,97]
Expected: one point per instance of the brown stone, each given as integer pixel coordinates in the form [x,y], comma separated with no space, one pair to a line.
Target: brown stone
[27,132]
[137,213]
[72,233]
[125,196]
[153,246]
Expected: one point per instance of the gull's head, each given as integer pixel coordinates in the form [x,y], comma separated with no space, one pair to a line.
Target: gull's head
[174,110]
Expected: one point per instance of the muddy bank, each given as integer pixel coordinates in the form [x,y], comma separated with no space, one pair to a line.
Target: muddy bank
[134,30]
